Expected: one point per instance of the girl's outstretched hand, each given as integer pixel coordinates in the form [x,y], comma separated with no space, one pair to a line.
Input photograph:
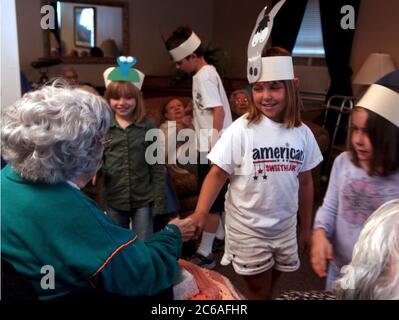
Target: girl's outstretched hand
[321,252]
[199,218]
[186,226]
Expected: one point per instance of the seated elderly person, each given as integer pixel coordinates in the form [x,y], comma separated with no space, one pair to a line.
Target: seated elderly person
[239,103]
[373,273]
[71,76]
[177,117]
[53,141]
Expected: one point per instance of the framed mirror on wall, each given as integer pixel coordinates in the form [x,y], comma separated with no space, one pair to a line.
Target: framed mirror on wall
[84,27]
[87,31]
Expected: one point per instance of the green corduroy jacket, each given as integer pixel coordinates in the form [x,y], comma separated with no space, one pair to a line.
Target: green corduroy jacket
[129,181]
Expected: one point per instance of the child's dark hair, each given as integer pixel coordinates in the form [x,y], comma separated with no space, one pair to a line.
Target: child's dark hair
[180,35]
[292,112]
[384,137]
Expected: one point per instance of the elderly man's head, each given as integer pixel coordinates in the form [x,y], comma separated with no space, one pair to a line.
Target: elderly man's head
[374,270]
[70,75]
[239,102]
[55,134]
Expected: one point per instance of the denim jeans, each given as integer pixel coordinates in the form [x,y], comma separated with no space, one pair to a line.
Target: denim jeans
[332,275]
[173,204]
[140,220]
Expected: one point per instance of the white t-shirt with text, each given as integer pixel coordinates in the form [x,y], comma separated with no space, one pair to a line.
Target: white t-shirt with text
[264,160]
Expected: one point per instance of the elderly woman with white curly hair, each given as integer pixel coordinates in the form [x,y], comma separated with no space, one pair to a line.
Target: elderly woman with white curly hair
[373,273]
[53,141]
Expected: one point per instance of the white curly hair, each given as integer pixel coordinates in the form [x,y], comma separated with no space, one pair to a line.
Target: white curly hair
[54,134]
[373,273]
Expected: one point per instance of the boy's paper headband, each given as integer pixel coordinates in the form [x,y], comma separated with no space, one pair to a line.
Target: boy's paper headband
[383,101]
[257,66]
[186,48]
[124,72]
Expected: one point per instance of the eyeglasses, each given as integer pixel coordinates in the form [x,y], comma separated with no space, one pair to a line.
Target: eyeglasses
[245,100]
[105,142]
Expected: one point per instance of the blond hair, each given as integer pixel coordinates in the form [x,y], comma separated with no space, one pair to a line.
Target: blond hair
[125,89]
[292,111]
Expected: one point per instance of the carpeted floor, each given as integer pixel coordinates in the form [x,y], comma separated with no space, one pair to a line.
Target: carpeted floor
[303,279]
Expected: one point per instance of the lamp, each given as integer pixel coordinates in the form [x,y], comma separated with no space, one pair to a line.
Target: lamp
[375,67]
[43,64]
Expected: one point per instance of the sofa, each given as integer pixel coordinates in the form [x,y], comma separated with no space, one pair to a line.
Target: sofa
[186,186]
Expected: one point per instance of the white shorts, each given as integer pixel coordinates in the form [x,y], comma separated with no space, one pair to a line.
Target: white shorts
[260,255]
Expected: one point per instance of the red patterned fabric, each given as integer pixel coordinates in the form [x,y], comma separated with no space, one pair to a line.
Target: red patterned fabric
[212,285]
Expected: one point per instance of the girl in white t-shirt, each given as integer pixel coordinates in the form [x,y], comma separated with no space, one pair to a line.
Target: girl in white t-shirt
[267,155]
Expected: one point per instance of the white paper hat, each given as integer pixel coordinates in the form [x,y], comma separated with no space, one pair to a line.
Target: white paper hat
[138,84]
[124,72]
[186,48]
[260,35]
[383,101]
[276,68]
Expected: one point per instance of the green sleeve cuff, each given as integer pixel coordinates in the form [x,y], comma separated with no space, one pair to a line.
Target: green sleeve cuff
[173,228]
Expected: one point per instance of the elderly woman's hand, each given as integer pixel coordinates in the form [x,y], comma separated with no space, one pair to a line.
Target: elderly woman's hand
[186,226]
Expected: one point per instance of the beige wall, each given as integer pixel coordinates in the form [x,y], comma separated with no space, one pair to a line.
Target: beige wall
[233,23]
[29,35]
[377,30]
[225,24]
[146,17]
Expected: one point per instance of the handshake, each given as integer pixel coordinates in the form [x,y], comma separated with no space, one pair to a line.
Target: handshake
[190,227]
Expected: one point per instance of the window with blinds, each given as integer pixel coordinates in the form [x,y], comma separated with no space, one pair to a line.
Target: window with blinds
[309,42]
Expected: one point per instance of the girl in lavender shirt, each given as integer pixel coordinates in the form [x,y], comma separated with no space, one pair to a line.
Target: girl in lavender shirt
[361,180]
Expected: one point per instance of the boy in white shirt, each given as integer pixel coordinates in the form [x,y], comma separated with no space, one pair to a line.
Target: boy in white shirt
[211,114]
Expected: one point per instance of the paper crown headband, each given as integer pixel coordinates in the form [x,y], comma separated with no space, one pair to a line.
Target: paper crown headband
[186,48]
[383,101]
[266,68]
[124,72]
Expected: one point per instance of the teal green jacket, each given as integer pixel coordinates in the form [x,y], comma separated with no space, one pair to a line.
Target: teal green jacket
[129,181]
[58,226]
